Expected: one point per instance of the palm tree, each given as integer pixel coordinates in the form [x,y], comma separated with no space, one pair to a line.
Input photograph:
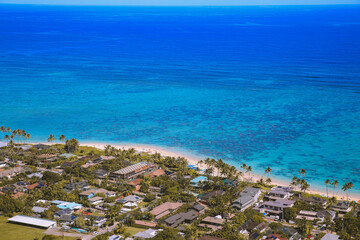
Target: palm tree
[7,137]
[62,138]
[51,138]
[28,136]
[23,134]
[268,171]
[327,183]
[346,188]
[335,183]
[2,129]
[268,181]
[302,173]
[304,185]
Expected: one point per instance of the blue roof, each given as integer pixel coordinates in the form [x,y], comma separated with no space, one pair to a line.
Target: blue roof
[198,179]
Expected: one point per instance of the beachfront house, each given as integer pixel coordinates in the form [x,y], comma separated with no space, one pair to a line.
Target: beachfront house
[247,198]
[196,182]
[133,171]
[279,192]
[275,207]
[341,206]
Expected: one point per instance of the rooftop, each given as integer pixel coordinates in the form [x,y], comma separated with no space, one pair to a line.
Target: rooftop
[131,168]
[32,221]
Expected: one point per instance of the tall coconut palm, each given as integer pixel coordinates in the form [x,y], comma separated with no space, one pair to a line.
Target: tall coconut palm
[62,138]
[7,137]
[268,180]
[23,135]
[302,173]
[28,136]
[346,188]
[327,183]
[51,138]
[335,184]
[304,185]
[8,129]
[268,171]
[2,129]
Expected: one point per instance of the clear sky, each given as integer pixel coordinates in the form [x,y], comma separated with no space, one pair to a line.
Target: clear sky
[182,2]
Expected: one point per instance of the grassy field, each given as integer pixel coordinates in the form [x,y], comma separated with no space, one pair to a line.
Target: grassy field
[10,231]
[134,230]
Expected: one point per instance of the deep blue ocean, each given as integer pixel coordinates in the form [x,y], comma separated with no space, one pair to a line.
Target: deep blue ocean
[268,86]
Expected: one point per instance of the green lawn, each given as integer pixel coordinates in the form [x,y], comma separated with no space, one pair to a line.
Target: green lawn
[10,231]
[134,230]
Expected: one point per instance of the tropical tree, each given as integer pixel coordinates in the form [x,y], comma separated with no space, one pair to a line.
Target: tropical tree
[51,138]
[28,136]
[346,188]
[268,171]
[302,172]
[327,183]
[335,184]
[62,138]
[2,129]
[304,185]
[268,180]
[7,137]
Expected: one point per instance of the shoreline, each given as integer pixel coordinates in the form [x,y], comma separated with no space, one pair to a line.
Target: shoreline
[194,159]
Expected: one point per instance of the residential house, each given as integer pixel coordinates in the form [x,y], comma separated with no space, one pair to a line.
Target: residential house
[250,226]
[291,232]
[115,237]
[314,200]
[279,192]
[157,173]
[101,173]
[12,172]
[214,223]
[96,200]
[330,236]
[133,171]
[247,198]
[275,207]
[82,186]
[42,146]
[135,183]
[196,182]
[149,233]
[274,237]
[130,198]
[99,221]
[64,204]
[308,215]
[341,206]
[323,214]
[92,192]
[67,155]
[180,218]
[206,196]
[38,210]
[165,209]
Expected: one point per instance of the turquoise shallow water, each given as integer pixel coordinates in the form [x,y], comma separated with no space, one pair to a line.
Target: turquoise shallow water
[268,86]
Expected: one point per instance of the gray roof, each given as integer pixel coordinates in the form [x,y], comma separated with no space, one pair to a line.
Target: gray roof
[32,221]
[330,236]
[130,198]
[38,209]
[248,194]
[279,203]
[131,168]
[149,233]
